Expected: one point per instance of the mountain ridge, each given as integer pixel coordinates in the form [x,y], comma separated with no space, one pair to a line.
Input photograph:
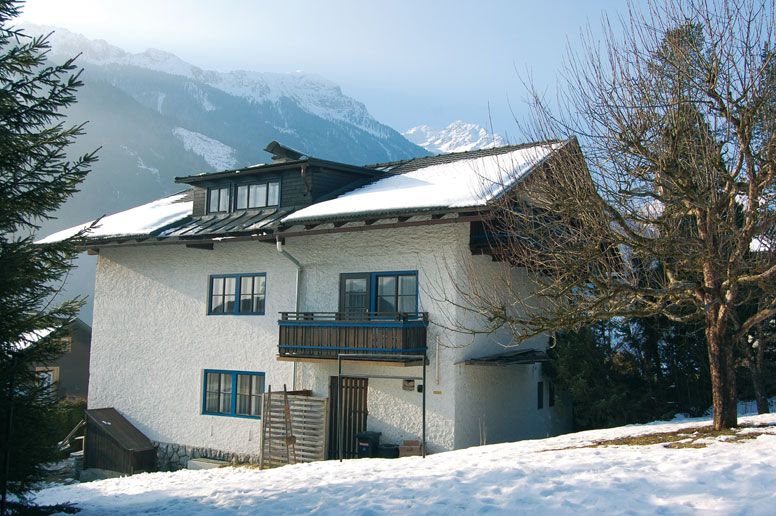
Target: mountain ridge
[459,136]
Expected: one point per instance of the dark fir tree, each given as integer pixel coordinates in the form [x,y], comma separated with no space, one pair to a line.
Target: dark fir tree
[36,177]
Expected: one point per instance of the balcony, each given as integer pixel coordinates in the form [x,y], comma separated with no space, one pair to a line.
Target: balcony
[314,336]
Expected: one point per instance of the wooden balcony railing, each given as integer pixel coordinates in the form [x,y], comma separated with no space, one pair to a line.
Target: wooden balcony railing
[327,334]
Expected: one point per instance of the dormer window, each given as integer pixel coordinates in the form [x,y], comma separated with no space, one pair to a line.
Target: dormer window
[258,195]
[243,196]
[218,199]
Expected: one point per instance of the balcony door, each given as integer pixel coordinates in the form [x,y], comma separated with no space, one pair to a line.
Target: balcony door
[355,296]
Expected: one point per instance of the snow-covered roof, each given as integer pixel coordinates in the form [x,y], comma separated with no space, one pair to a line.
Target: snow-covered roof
[433,183]
[28,339]
[141,220]
[461,183]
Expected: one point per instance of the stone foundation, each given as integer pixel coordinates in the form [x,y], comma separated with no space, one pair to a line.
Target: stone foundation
[172,457]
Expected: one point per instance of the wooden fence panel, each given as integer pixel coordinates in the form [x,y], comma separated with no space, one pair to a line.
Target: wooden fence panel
[308,425]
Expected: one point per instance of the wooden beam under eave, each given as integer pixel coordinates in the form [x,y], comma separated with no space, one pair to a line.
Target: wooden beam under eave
[204,246]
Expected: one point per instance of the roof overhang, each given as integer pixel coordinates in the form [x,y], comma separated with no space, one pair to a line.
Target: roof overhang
[518,357]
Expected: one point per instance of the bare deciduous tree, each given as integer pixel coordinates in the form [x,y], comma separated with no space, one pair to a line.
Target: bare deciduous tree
[672,209]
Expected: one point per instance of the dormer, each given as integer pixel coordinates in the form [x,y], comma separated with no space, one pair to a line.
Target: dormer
[292,181]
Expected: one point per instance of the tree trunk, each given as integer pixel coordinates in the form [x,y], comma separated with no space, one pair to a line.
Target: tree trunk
[723,374]
[755,364]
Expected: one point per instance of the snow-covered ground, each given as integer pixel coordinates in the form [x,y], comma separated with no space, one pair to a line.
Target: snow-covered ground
[550,476]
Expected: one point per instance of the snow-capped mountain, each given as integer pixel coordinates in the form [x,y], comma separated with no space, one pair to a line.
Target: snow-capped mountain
[310,92]
[155,117]
[456,137]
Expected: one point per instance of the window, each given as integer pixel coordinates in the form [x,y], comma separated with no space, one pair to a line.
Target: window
[236,294]
[258,195]
[67,344]
[233,393]
[218,199]
[397,293]
[379,292]
[47,377]
[354,294]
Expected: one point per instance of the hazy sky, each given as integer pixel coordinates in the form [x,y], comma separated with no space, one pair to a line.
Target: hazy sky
[411,62]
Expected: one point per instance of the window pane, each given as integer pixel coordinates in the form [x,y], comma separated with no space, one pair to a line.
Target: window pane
[258,304]
[273,194]
[355,285]
[258,197]
[229,285]
[213,200]
[217,295]
[386,294]
[223,199]
[258,284]
[386,304]
[226,393]
[256,405]
[386,285]
[407,304]
[246,286]
[408,285]
[242,197]
[243,384]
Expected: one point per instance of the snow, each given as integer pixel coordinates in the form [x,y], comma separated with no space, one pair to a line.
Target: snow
[456,137]
[136,221]
[217,154]
[463,183]
[558,476]
[140,163]
[28,339]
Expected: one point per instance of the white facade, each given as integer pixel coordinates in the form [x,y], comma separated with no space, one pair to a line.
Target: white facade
[153,338]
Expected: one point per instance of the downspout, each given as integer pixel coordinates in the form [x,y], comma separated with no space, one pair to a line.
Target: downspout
[297,297]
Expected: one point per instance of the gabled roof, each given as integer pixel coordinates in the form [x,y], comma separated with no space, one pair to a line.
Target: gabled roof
[446,183]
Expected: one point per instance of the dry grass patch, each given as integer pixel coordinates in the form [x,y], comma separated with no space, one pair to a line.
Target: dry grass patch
[698,437]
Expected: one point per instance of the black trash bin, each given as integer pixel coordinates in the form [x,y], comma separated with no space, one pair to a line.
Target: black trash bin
[368,444]
[388,451]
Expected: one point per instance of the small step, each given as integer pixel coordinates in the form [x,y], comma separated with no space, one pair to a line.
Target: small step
[203,463]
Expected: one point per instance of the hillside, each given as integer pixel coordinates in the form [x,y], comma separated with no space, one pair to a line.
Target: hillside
[661,468]
[155,117]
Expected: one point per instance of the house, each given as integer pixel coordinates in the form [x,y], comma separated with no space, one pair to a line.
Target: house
[68,375]
[268,274]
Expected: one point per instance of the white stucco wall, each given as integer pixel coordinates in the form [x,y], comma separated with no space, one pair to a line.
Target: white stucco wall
[152,338]
[394,412]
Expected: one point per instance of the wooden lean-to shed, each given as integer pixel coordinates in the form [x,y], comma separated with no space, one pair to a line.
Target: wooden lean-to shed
[114,444]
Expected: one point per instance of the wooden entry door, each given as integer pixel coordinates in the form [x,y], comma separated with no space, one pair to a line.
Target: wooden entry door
[353,414]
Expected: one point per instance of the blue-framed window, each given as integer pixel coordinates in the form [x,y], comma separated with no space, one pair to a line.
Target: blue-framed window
[395,291]
[232,393]
[237,294]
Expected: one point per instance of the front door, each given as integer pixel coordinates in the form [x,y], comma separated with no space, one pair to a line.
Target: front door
[353,415]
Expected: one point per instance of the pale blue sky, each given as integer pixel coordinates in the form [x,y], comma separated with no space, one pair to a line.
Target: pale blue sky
[411,63]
